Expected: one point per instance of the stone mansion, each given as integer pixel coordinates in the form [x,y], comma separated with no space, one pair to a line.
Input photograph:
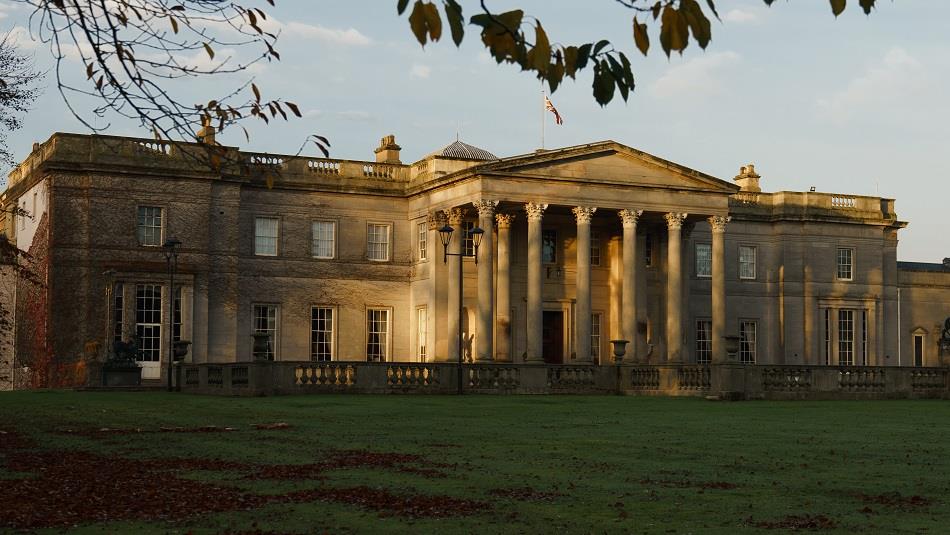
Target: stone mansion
[342,259]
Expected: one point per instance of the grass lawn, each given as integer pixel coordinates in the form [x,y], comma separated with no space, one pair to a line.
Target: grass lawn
[151,463]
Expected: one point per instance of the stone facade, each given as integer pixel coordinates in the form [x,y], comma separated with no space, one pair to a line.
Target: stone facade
[342,259]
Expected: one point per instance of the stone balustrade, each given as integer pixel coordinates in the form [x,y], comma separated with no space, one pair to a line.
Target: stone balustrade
[724,381]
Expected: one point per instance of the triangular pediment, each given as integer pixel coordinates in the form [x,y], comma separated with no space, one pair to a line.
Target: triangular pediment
[606,162]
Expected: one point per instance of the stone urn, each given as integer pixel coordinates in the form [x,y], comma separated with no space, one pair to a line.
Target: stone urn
[732,348]
[260,345]
[620,349]
[180,349]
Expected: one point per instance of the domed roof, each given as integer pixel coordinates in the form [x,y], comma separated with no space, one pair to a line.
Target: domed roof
[464,151]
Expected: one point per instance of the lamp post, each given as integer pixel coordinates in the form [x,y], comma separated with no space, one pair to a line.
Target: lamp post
[445,236]
[171,247]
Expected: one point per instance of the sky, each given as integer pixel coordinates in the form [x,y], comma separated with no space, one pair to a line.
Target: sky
[853,105]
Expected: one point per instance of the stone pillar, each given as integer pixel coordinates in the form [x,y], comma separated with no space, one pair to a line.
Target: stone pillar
[535,315]
[503,289]
[434,222]
[486,288]
[718,291]
[582,215]
[629,300]
[674,288]
[455,218]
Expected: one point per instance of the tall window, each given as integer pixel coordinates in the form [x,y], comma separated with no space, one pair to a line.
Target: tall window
[324,239]
[265,321]
[422,333]
[594,248]
[377,335]
[150,225]
[549,246]
[321,333]
[422,240]
[703,260]
[845,263]
[377,242]
[703,341]
[827,336]
[468,241]
[265,236]
[648,250]
[864,337]
[118,311]
[746,262]
[846,338]
[595,324]
[747,342]
[176,316]
[148,321]
[918,350]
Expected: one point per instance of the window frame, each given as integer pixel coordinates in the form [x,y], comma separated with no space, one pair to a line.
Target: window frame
[846,344]
[334,319]
[648,247]
[922,338]
[596,347]
[160,324]
[696,258]
[468,240]
[422,333]
[386,356]
[703,345]
[276,237]
[275,343]
[554,261]
[755,262]
[422,241]
[389,240]
[596,248]
[162,211]
[838,264]
[313,239]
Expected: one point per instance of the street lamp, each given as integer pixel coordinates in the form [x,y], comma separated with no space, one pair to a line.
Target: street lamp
[171,247]
[445,236]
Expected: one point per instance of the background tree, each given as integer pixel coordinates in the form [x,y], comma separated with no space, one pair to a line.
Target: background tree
[520,39]
[19,82]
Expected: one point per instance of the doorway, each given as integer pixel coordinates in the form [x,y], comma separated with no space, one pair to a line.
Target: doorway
[552,336]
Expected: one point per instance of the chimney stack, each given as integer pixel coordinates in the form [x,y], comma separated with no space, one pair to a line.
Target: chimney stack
[206,134]
[747,179]
[388,151]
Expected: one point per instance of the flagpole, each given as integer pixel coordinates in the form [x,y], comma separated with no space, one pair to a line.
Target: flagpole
[543,110]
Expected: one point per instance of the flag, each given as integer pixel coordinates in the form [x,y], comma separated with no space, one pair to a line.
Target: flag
[550,107]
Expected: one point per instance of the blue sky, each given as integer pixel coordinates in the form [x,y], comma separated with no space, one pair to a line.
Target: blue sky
[853,105]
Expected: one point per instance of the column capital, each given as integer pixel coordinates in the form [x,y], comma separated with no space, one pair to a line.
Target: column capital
[455,216]
[674,220]
[630,217]
[718,222]
[435,220]
[485,207]
[535,210]
[583,213]
[504,220]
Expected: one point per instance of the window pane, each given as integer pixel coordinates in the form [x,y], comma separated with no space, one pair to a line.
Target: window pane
[595,320]
[594,249]
[324,239]
[468,241]
[703,260]
[377,242]
[747,341]
[703,341]
[321,334]
[118,311]
[148,321]
[265,236]
[150,225]
[265,321]
[746,262]
[845,263]
[846,338]
[549,246]
[422,333]
[423,240]
[377,335]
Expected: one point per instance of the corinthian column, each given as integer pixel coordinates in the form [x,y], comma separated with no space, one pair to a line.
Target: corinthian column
[582,215]
[628,313]
[455,218]
[674,289]
[718,224]
[503,283]
[486,290]
[535,321]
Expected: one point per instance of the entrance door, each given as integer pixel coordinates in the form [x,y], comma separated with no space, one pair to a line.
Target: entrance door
[148,329]
[552,337]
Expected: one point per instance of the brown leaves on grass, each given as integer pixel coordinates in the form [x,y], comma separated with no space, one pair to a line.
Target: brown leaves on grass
[70,488]
[895,500]
[796,523]
[526,494]
[273,426]
[686,483]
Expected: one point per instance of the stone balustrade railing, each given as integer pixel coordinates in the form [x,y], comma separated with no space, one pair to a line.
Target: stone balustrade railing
[729,381]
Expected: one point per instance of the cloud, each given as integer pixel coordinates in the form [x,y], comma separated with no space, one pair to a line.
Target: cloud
[702,72]
[420,71]
[893,81]
[740,16]
[334,36]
